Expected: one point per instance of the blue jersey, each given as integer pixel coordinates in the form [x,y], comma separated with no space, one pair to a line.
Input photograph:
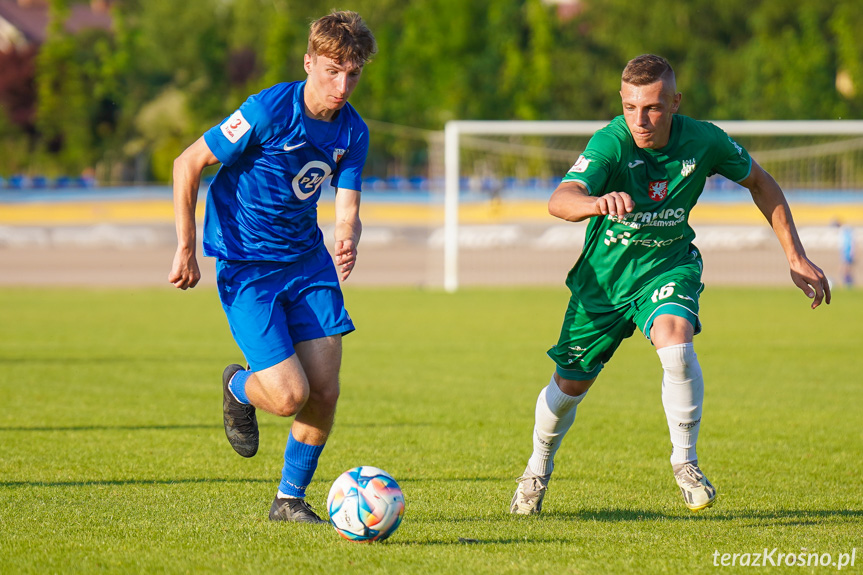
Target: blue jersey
[262,204]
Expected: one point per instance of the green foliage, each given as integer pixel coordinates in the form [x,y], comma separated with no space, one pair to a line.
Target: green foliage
[63,116]
[113,457]
[80,88]
[438,60]
[846,23]
[279,35]
[13,153]
[789,66]
[165,125]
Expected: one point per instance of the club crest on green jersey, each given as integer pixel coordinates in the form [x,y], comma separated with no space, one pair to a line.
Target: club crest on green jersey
[688,167]
[658,190]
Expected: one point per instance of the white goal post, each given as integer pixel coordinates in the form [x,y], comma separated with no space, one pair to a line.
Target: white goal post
[457,131]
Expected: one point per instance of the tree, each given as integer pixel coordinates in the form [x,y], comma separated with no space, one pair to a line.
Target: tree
[62,114]
[18,87]
[845,24]
[171,70]
[788,68]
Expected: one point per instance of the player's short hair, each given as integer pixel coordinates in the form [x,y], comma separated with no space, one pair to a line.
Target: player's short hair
[342,36]
[646,69]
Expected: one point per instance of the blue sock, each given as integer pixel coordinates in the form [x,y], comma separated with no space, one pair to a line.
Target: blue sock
[237,385]
[301,461]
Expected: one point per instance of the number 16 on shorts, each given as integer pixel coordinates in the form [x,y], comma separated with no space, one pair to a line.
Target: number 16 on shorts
[664,292]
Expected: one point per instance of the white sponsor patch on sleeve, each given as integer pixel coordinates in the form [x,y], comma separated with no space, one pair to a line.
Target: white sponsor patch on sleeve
[235,126]
[580,165]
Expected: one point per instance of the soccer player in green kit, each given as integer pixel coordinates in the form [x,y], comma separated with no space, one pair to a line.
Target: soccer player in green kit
[637,181]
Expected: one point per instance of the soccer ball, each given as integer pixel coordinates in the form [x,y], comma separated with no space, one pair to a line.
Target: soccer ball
[365,504]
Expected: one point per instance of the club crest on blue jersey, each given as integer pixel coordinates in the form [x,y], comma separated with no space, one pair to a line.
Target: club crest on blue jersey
[309,179]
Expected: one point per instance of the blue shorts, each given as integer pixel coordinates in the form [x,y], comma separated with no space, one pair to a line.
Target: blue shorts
[273,305]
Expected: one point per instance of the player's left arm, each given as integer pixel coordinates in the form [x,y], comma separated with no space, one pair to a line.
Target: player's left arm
[348,230]
[348,183]
[770,199]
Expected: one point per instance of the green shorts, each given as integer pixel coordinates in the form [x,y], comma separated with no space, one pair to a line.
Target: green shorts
[588,339]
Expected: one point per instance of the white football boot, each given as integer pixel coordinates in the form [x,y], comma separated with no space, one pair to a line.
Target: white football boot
[529,493]
[698,493]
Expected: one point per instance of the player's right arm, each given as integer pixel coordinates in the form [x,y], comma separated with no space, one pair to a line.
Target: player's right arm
[572,202]
[188,167]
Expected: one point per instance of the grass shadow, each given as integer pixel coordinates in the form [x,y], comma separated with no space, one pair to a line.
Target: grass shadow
[107,360]
[471,541]
[121,482]
[779,517]
[68,428]
[264,423]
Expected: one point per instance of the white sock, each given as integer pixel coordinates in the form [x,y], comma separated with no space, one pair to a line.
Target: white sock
[682,397]
[555,412]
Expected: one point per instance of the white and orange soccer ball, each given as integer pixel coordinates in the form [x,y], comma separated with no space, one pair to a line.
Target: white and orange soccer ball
[365,504]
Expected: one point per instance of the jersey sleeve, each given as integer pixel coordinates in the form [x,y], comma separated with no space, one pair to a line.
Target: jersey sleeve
[732,159]
[594,166]
[249,126]
[349,172]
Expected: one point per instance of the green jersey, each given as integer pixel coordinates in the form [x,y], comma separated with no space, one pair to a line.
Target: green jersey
[623,253]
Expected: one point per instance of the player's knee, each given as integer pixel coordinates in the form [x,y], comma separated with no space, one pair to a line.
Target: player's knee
[573,387]
[325,397]
[680,363]
[669,330]
[291,401]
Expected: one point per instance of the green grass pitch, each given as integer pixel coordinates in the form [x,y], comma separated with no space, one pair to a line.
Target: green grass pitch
[113,458]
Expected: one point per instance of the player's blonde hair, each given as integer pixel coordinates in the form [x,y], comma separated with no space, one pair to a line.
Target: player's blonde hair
[342,36]
[647,69]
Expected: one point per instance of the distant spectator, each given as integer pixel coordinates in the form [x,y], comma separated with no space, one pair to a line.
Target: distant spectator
[846,253]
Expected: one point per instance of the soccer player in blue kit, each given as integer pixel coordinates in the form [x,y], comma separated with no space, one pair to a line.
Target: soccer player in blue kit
[277,282]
